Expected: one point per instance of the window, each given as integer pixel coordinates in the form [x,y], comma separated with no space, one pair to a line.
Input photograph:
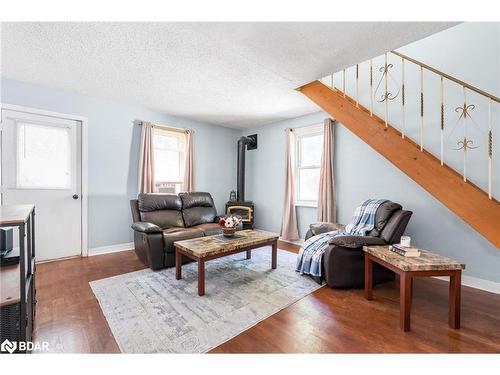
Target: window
[308,149]
[169,154]
[44,156]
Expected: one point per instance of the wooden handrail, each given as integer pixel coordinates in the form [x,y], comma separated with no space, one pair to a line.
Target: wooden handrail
[447,76]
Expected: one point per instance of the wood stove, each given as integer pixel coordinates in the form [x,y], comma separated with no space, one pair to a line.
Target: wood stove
[241,207]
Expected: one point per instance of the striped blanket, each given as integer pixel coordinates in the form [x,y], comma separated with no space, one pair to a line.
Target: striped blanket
[311,252]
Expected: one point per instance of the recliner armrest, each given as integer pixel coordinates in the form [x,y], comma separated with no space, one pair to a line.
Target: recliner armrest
[323,227]
[355,242]
[145,227]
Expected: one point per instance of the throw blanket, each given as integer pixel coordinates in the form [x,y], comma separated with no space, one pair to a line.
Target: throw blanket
[311,252]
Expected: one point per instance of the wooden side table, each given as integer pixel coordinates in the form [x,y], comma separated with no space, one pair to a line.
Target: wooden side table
[427,264]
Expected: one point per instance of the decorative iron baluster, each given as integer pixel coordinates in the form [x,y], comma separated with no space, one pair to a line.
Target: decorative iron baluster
[466,143]
[403,97]
[421,109]
[490,148]
[357,85]
[442,120]
[343,82]
[371,88]
[386,97]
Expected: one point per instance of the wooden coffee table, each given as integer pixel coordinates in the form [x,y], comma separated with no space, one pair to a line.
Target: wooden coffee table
[207,248]
[427,264]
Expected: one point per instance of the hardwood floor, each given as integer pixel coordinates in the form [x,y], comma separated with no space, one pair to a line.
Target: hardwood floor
[326,321]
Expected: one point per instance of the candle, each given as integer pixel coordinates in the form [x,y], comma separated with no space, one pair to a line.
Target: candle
[406,241]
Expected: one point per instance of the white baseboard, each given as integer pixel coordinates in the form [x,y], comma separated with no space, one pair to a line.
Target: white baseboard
[111,248]
[474,282]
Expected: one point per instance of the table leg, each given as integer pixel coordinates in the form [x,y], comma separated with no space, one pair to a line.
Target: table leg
[454,300]
[178,265]
[249,254]
[405,301]
[201,277]
[274,257]
[368,278]
[411,288]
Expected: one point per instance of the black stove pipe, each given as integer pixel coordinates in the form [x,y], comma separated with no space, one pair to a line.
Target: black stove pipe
[242,144]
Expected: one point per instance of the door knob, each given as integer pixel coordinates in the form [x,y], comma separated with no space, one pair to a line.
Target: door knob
[75,196]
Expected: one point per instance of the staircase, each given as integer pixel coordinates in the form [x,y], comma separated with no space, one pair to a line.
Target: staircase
[475,206]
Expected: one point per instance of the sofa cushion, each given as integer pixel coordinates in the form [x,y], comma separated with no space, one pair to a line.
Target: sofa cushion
[197,208]
[396,226]
[154,202]
[196,199]
[209,229]
[178,234]
[384,212]
[163,210]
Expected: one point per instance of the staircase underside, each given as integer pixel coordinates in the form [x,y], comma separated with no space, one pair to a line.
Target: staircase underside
[463,198]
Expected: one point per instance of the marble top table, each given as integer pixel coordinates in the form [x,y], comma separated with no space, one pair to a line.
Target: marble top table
[427,261]
[427,264]
[206,248]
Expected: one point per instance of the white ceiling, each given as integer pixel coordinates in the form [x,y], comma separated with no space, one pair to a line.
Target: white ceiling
[233,74]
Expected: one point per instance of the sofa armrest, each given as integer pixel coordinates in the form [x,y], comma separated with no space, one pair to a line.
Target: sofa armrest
[322,227]
[354,242]
[142,226]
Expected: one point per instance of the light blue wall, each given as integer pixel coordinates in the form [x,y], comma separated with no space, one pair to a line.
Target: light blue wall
[113,148]
[265,182]
[362,173]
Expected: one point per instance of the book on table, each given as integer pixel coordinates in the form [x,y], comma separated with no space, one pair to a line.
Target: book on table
[404,250]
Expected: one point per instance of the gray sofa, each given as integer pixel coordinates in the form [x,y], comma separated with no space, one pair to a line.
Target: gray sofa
[343,261]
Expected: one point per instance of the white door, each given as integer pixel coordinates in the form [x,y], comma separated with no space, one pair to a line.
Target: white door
[41,165]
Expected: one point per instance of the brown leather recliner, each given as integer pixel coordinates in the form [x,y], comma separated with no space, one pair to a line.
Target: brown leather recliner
[343,262]
[162,219]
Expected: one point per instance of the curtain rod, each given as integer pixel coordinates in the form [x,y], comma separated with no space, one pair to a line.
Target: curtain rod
[171,128]
[316,124]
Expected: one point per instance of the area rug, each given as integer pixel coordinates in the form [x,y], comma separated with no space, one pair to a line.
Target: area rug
[152,312]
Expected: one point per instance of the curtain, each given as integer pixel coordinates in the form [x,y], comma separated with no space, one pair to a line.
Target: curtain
[289,229]
[189,163]
[327,206]
[146,162]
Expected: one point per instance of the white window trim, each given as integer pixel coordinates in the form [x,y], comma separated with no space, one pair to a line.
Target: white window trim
[299,133]
[182,155]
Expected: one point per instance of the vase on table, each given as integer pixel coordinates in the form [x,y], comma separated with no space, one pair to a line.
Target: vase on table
[228,232]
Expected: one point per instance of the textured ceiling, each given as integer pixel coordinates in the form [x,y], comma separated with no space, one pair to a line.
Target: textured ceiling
[232,74]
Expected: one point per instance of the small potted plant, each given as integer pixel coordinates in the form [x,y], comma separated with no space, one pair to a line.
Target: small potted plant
[229,224]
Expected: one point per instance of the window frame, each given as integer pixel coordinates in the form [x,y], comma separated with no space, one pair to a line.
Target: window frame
[181,136]
[72,157]
[299,135]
